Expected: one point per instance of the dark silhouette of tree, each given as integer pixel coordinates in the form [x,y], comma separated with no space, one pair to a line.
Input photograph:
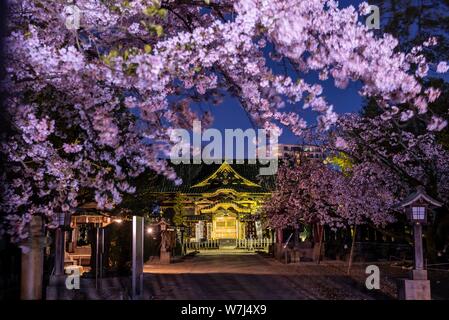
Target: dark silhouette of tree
[414,21]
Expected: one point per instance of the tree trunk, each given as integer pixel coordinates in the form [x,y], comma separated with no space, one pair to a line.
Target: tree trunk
[279,235]
[321,231]
[92,238]
[351,254]
[296,237]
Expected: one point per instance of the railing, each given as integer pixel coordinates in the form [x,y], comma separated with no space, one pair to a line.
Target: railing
[253,244]
[248,244]
[202,245]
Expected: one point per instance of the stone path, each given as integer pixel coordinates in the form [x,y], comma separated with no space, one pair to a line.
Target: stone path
[247,277]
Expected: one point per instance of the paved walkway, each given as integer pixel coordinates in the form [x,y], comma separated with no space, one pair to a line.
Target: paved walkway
[248,276]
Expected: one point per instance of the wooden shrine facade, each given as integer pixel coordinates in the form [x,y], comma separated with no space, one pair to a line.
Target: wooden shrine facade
[217,202]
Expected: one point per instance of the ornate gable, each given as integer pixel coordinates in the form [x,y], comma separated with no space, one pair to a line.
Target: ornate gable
[225,176]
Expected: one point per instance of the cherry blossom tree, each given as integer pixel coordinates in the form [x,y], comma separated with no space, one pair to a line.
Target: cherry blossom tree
[403,156]
[311,191]
[412,157]
[94,106]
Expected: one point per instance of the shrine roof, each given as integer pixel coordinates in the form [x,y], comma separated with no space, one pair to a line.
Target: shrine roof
[202,178]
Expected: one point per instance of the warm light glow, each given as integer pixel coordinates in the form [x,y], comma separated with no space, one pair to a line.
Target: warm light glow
[149,230]
[118,221]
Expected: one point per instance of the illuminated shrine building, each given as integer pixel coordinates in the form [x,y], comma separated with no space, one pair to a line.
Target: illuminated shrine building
[217,201]
[214,202]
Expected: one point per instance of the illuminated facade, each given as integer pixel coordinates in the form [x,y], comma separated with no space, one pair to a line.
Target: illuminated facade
[217,202]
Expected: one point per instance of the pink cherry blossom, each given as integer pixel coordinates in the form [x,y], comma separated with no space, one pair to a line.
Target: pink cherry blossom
[93,108]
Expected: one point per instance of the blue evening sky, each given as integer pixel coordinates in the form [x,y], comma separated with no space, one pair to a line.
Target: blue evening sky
[230,115]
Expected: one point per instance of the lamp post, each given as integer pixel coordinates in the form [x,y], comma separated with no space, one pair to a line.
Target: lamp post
[417,206]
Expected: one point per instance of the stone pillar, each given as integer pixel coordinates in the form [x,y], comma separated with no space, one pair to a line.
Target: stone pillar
[99,253]
[72,237]
[33,262]
[137,257]
[59,251]
[418,272]
[165,253]
[417,234]
[418,287]
[102,251]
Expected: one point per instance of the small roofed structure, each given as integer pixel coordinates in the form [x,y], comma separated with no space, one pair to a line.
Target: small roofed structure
[420,197]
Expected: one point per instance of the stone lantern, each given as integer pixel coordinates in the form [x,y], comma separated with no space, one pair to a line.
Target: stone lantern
[167,234]
[417,207]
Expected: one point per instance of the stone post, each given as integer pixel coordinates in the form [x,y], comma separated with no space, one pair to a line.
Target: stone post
[417,235]
[418,287]
[418,272]
[33,262]
[137,257]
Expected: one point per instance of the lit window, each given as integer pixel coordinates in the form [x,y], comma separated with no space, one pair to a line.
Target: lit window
[418,213]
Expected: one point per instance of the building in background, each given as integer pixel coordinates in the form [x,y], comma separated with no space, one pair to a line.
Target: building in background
[296,151]
[217,201]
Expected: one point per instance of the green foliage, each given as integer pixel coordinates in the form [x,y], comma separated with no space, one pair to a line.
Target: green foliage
[107,59]
[158,29]
[155,10]
[147,48]
[342,161]
[179,212]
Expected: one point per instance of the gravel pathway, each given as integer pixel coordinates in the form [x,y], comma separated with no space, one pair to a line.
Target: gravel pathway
[252,276]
